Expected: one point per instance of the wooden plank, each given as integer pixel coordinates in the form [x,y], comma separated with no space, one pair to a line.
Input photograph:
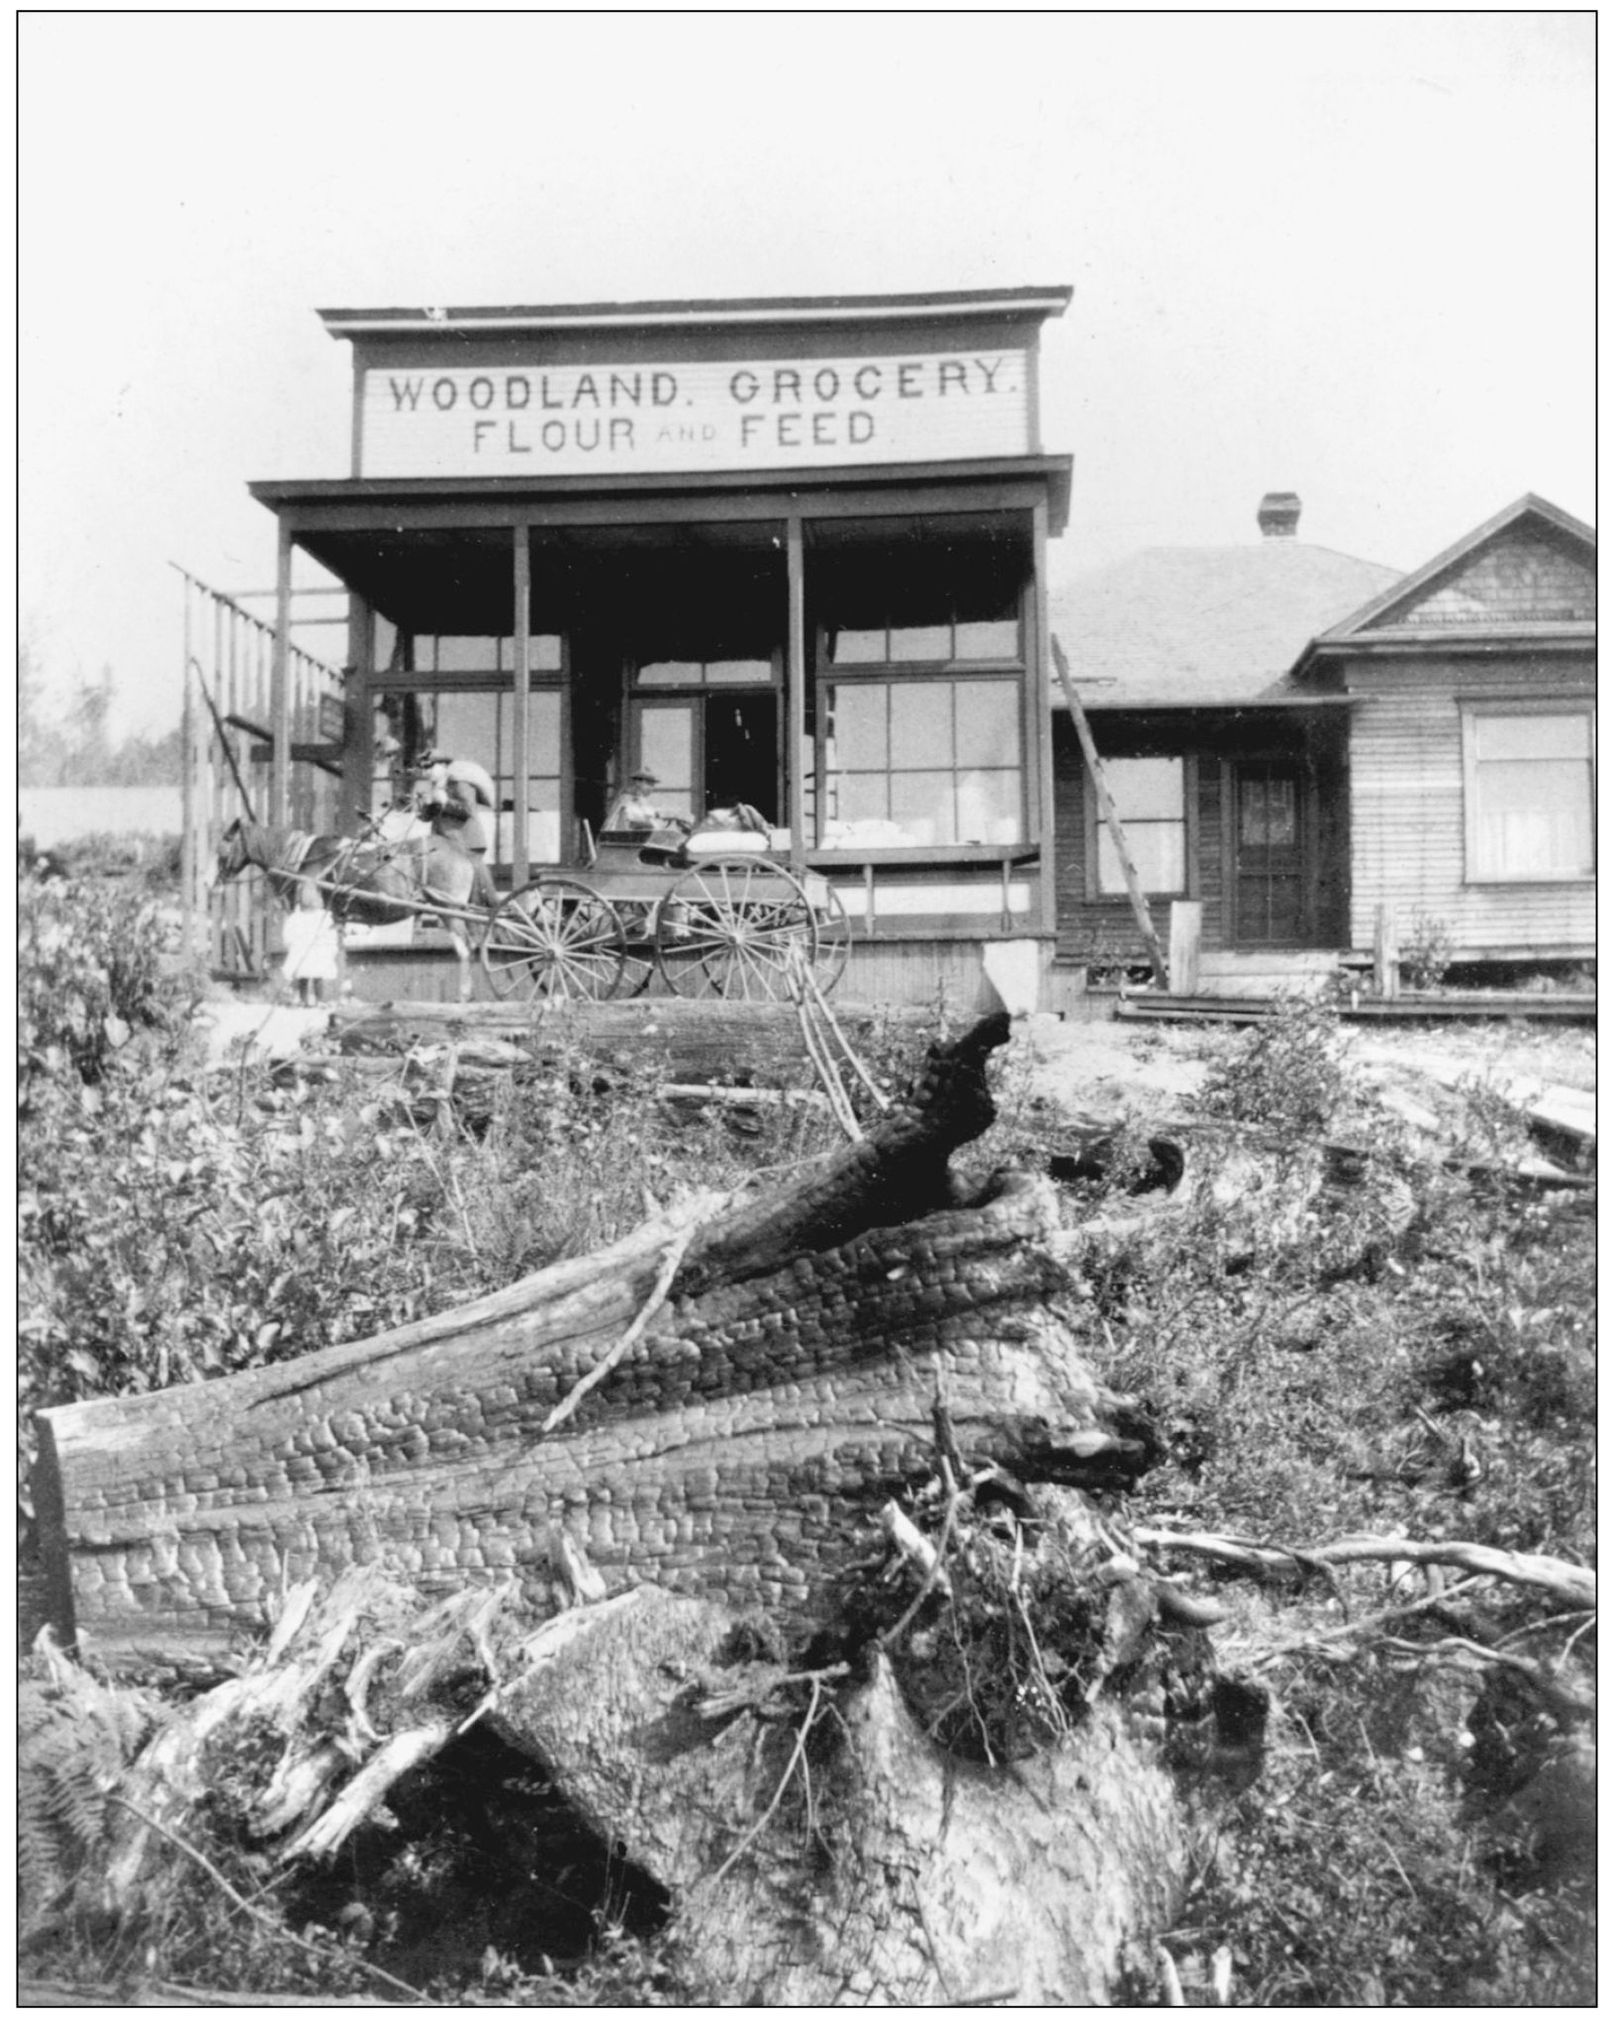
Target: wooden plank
[521,589]
[797,688]
[1115,826]
[1385,955]
[280,682]
[1038,702]
[1185,945]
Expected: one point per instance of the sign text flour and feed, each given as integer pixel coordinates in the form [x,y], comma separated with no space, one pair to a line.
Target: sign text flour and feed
[511,421]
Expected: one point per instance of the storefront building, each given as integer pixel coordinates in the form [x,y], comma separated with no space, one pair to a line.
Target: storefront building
[789,553]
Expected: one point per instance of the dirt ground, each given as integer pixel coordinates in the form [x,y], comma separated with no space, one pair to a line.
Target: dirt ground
[1104,1069]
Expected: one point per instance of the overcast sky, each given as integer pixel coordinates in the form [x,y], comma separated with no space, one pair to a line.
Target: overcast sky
[1351,256]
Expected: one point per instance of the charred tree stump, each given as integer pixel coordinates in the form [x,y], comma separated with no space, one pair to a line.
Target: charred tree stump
[889,1870]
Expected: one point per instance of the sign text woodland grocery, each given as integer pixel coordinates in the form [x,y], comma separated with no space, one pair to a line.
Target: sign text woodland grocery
[513,421]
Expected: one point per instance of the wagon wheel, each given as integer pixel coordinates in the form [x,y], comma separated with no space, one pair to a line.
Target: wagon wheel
[554,940]
[833,937]
[736,926]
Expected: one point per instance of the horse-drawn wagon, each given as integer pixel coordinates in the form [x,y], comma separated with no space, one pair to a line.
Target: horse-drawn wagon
[721,914]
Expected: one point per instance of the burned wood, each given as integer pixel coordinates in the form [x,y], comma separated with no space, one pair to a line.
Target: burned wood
[778,1397]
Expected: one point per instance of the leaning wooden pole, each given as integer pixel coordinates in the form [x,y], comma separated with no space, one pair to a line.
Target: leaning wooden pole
[1110,813]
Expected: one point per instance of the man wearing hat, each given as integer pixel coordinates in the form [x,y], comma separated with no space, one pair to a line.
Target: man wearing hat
[635,808]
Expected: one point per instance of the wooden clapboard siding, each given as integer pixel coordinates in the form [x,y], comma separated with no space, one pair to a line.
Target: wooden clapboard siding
[1208,852]
[1407,807]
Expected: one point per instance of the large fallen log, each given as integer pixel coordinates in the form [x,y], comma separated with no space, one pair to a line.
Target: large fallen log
[779,1393]
[755,1044]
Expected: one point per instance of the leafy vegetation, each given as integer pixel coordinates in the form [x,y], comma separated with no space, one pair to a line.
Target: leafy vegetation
[1347,1366]
[1335,1335]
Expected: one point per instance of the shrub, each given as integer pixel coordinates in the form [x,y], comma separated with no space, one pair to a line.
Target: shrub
[1427,952]
[1289,1076]
[91,972]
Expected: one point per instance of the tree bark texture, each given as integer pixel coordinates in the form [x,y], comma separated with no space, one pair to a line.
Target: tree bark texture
[781,1392]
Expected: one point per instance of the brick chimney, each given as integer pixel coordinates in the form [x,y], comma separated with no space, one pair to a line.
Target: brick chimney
[1279,514]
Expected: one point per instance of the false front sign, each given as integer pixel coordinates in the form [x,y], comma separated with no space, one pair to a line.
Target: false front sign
[520,421]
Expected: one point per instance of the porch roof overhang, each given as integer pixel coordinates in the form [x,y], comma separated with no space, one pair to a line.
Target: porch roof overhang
[407,544]
[339,503]
[1098,701]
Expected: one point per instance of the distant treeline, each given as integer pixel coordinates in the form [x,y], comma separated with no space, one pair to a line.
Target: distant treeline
[68,742]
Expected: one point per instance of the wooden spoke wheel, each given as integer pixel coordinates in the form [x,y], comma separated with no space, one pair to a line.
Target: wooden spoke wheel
[833,937]
[738,926]
[555,940]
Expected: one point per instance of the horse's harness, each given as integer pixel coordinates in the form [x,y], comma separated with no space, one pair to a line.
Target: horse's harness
[288,870]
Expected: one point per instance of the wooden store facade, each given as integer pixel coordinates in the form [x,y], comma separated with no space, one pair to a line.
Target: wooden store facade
[784,552]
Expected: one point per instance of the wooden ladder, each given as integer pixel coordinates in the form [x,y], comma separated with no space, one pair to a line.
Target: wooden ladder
[1110,813]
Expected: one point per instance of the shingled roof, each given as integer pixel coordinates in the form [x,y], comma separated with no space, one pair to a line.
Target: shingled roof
[1204,627]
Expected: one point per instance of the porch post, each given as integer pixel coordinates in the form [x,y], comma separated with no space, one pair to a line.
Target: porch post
[520,706]
[1038,743]
[797,687]
[280,685]
[359,759]
[190,847]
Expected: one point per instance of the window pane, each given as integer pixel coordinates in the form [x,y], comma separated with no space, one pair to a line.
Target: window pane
[468,655]
[987,722]
[1145,788]
[1534,820]
[923,805]
[545,653]
[666,750]
[919,641]
[988,806]
[1528,737]
[1268,813]
[544,734]
[739,672]
[860,795]
[857,726]
[467,727]
[921,726]
[859,648]
[1158,850]
[669,673]
[996,639]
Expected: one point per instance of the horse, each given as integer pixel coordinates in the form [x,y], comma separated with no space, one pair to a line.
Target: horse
[366,882]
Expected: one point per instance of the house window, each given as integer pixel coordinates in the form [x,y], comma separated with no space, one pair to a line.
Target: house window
[1530,795]
[1149,796]
[921,763]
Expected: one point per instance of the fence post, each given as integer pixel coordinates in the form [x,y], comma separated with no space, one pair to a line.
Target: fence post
[1385,955]
[1185,945]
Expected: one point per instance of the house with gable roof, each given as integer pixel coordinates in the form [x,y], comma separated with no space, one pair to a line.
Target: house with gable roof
[1296,738]
[1471,686]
